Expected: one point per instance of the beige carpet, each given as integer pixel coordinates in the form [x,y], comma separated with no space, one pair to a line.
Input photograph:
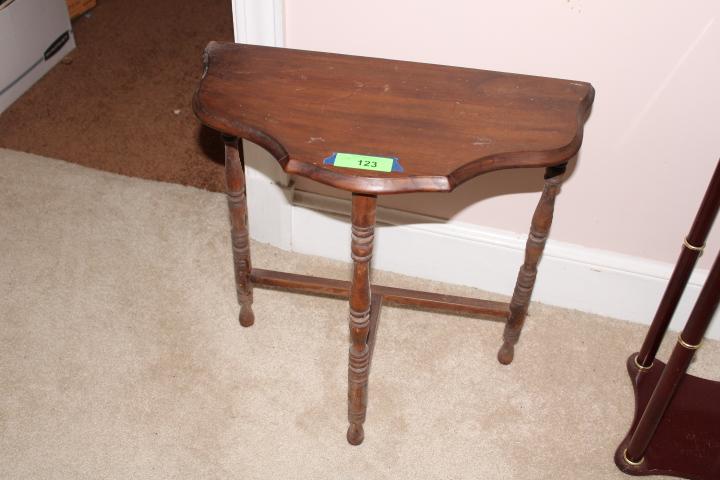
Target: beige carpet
[121,357]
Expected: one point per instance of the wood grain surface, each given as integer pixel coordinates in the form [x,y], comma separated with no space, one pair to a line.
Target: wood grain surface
[444,124]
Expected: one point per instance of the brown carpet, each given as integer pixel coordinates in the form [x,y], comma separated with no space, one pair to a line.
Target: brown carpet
[121,101]
[121,357]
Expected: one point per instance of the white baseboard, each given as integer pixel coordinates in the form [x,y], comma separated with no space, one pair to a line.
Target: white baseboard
[570,276]
[269,197]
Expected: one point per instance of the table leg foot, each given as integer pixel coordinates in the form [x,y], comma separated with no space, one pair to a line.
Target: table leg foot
[247,317]
[506,353]
[355,434]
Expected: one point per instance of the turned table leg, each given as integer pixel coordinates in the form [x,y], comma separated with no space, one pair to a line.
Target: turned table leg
[363,227]
[542,219]
[237,205]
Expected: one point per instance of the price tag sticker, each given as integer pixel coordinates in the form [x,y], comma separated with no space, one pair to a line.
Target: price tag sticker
[364,162]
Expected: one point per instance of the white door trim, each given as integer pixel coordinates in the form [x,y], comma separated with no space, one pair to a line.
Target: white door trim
[261,22]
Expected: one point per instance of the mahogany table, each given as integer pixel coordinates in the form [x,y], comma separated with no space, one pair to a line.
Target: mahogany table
[338,119]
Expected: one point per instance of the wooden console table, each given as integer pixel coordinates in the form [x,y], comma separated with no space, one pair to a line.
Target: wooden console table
[372,127]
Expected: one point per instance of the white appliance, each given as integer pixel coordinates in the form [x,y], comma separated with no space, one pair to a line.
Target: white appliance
[34,36]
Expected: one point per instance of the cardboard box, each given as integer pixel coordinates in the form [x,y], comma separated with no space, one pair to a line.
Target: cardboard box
[78,7]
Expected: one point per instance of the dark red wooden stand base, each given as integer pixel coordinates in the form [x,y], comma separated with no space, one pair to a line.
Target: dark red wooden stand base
[687,441]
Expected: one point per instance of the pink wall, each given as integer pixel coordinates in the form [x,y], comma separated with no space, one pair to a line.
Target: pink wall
[652,140]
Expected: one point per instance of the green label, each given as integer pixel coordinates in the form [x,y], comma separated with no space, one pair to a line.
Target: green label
[363,162]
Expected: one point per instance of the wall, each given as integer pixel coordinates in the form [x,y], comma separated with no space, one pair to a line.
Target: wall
[651,142]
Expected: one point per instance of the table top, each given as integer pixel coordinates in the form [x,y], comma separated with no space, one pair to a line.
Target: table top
[444,125]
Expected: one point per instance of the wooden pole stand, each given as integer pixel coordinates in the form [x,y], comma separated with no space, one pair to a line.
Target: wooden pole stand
[676,429]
